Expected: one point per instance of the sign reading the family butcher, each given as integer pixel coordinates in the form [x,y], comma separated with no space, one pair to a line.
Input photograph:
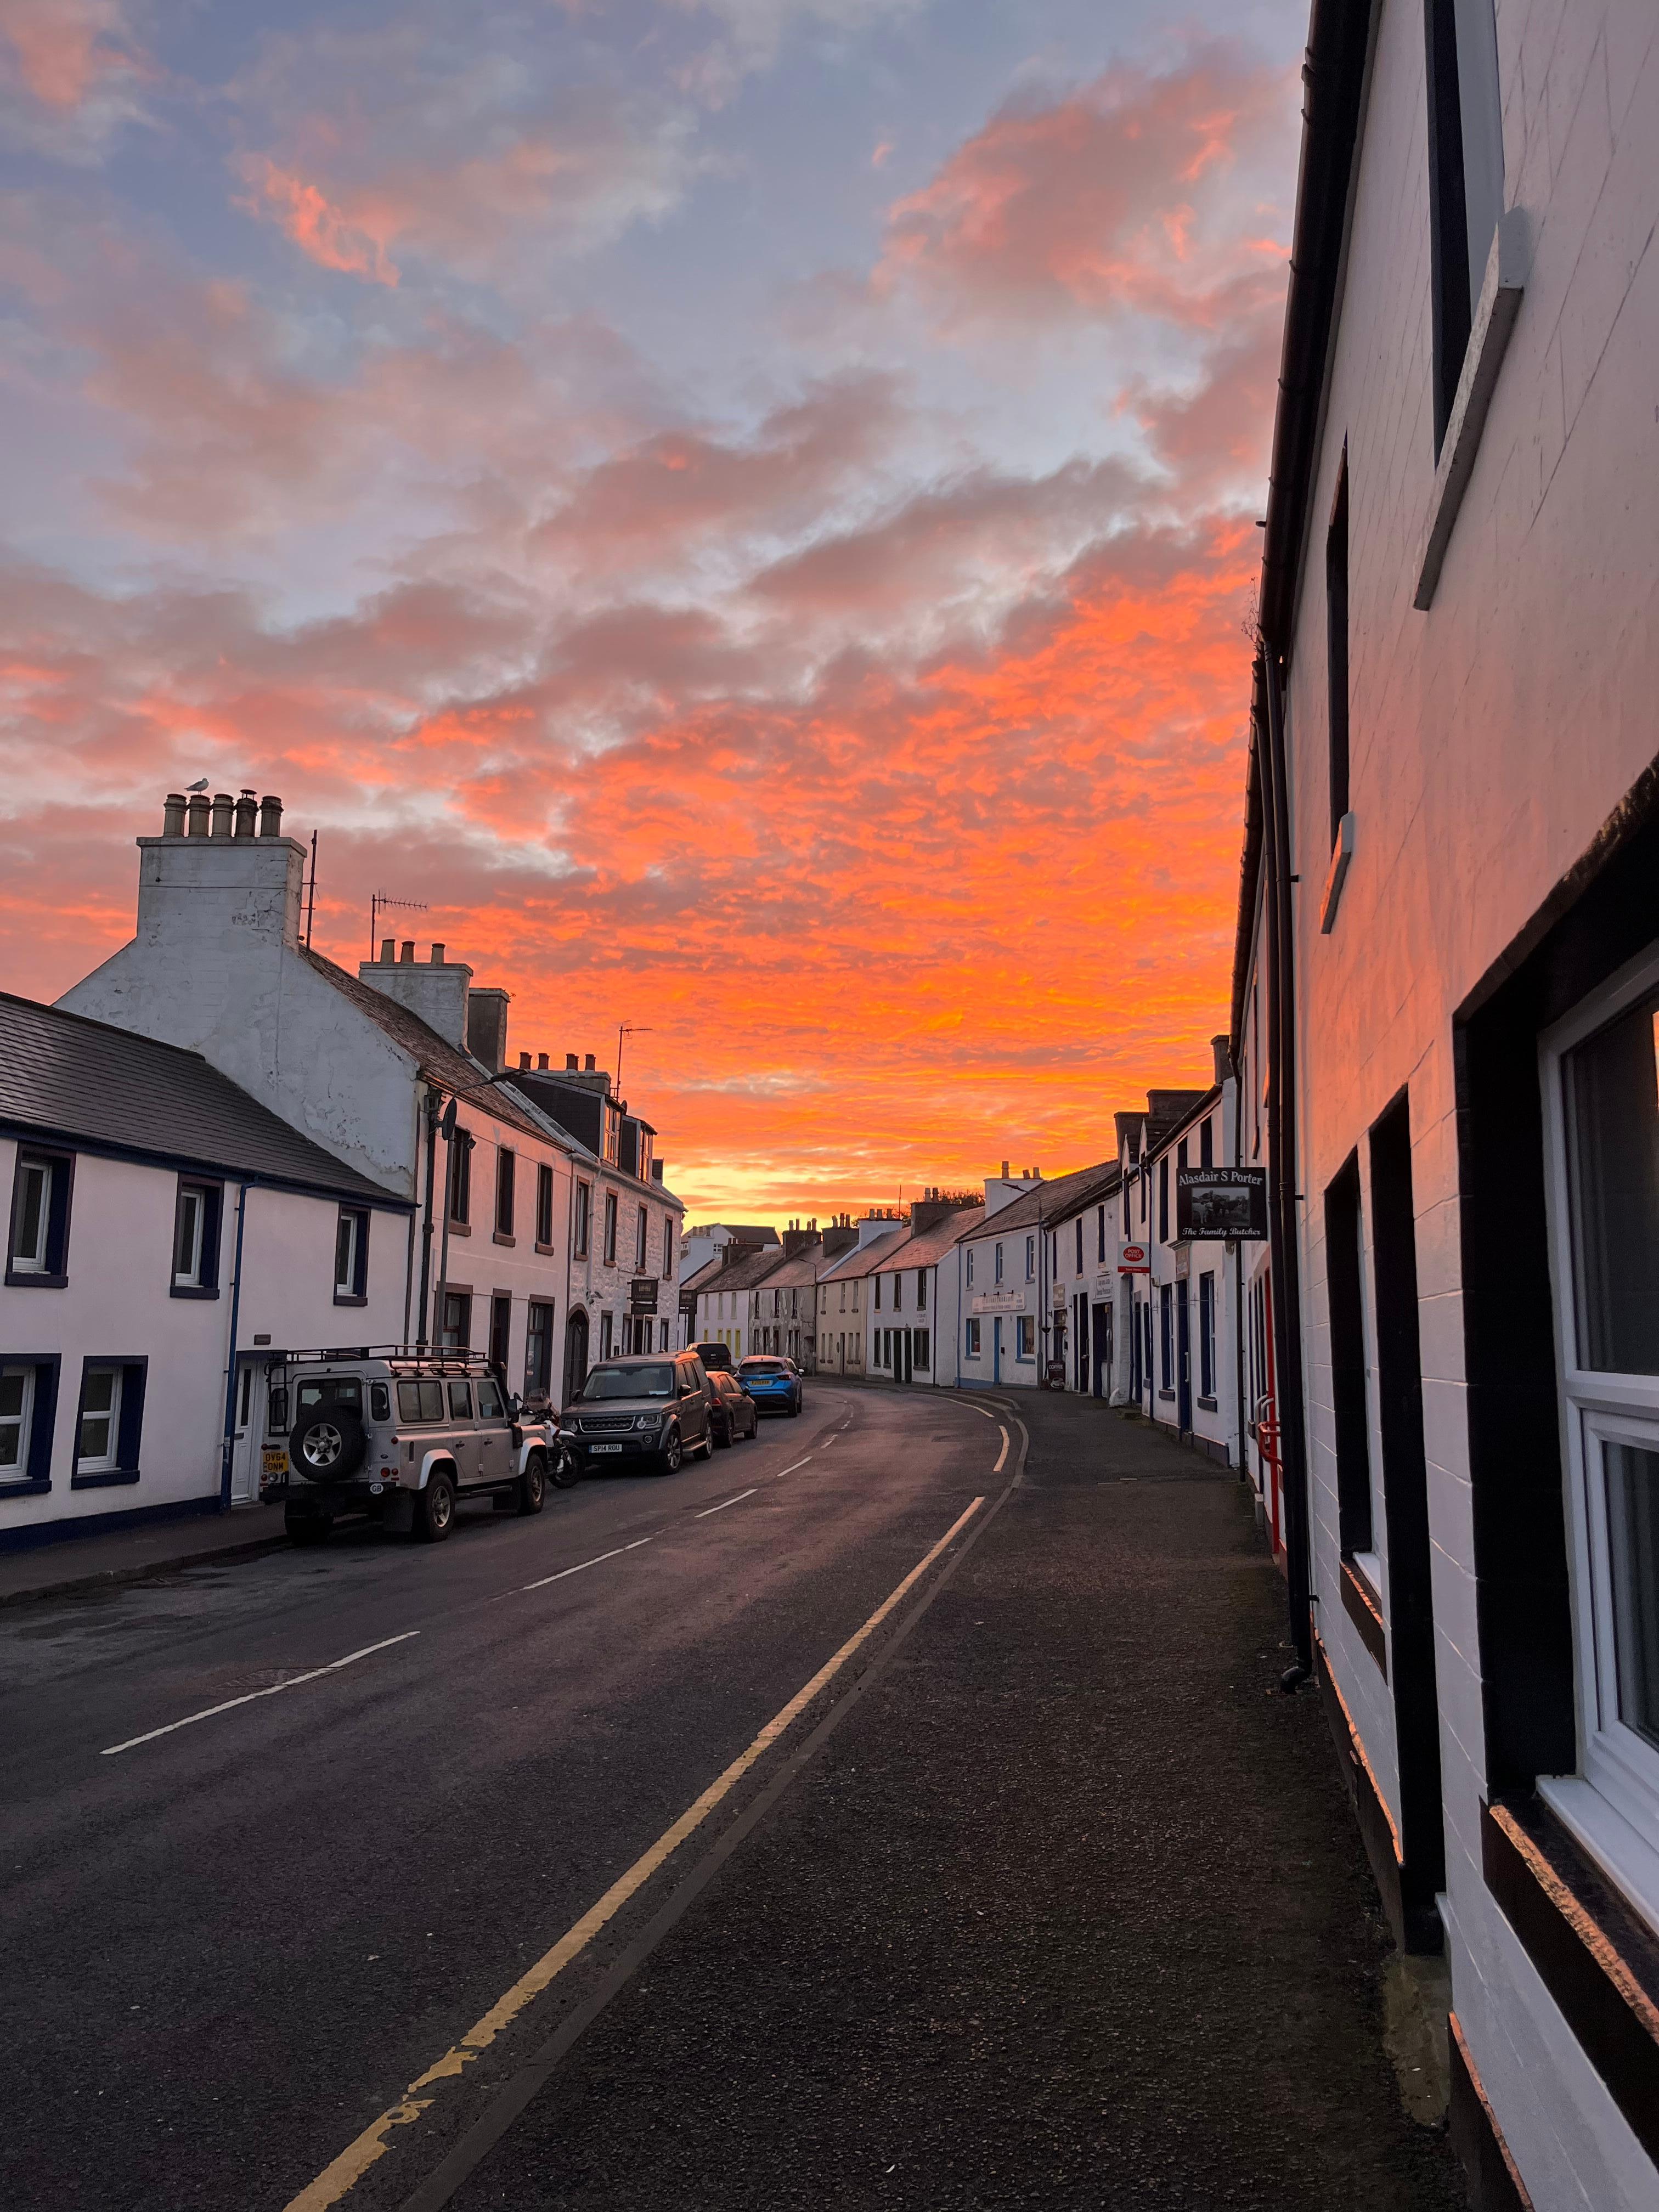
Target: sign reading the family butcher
[1221,1202]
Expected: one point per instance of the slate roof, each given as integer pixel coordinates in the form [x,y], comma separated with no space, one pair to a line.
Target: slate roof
[745,1274]
[856,1263]
[87,1081]
[1045,1203]
[931,1246]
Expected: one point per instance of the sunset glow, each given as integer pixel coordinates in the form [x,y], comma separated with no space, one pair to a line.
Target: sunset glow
[746,511]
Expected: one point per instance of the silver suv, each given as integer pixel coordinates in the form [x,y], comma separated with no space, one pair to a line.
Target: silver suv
[402,1433]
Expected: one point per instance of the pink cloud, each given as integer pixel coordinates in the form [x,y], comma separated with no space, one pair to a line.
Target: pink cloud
[325,233]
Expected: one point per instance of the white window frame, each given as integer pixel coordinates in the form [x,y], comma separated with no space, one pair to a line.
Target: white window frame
[193,1195]
[23,1420]
[38,1261]
[1024,1333]
[971,1338]
[107,1462]
[1612,1805]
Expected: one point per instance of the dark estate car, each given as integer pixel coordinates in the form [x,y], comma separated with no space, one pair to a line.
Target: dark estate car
[731,1408]
[713,1355]
[643,1408]
[775,1384]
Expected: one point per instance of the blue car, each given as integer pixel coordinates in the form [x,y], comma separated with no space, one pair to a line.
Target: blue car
[774,1385]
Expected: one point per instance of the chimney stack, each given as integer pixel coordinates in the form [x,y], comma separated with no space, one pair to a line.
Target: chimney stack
[436,990]
[571,1064]
[388,951]
[173,814]
[198,806]
[1005,1171]
[486,1028]
[524,1059]
[588,1064]
[437,956]
[223,806]
[1224,1064]
[406,954]
[270,818]
[247,815]
[541,1061]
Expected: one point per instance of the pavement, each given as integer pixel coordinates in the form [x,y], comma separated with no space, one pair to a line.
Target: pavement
[1021,1883]
[70,1562]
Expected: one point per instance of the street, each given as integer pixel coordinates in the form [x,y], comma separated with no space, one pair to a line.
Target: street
[1065,1912]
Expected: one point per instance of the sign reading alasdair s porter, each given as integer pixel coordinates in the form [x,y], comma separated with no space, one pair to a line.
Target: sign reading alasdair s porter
[1229,1202]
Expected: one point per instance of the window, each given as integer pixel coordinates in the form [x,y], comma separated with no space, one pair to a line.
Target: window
[668,1247]
[1465,178]
[843,1307]
[607,1336]
[1100,1238]
[1164,1199]
[921,1292]
[28,1403]
[107,1423]
[1079,1244]
[1207,1335]
[611,1228]
[460,1179]
[970,1337]
[1604,1099]
[584,1218]
[997,1268]
[1031,1259]
[538,1349]
[351,1257]
[1166,1338]
[970,1267]
[1141,1180]
[878,1293]
[460,1402]
[37,1253]
[1336,648]
[1206,1142]
[921,1349]
[897,1282]
[544,1206]
[16,1418]
[196,1240]
[641,1239]
[507,1173]
[490,1408]
[380,1398]
[501,1328]
[1025,1336]
[1345,1287]
[456,1334]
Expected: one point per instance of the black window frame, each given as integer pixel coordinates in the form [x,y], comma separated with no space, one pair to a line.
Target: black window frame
[544,1206]
[611,1214]
[1163,1200]
[129,1428]
[1336,651]
[36,1476]
[501,1328]
[60,1198]
[582,1200]
[460,1179]
[358,1294]
[539,1319]
[213,1215]
[641,1239]
[668,1247]
[461,1295]
[506,1192]
[1344,1264]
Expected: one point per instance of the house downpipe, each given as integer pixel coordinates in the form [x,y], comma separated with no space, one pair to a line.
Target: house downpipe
[229,1449]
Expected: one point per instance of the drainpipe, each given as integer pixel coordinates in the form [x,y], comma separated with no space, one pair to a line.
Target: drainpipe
[1282,1223]
[431,1120]
[229,1449]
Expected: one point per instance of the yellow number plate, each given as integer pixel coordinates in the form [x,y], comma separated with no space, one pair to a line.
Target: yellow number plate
[274,1462]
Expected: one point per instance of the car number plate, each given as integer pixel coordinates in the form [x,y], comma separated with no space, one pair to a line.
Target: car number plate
[274,1462]
[605,1447]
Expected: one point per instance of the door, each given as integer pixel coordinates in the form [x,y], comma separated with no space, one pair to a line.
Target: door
[694,1407]
[1183,1357]
[248,1430]
[460,1430]
[1080,1350]
[1102,1342]
[996,1347]
[494,1444]
[575,1353]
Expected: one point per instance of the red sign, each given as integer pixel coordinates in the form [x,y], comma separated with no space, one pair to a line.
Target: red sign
[1133,1259]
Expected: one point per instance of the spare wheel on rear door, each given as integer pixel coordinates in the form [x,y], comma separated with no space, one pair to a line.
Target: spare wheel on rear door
[327,1444]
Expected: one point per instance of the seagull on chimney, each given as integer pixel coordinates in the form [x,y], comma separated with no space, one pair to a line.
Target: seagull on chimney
[200,784]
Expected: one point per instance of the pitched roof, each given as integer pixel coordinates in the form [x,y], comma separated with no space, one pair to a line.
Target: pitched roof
[856,1262]
[925,1248]
[1047,1203]
[88,1082]
[1165,1133]
[802,1266]
[742,1274]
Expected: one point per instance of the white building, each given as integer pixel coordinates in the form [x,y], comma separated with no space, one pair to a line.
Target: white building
[168,1236]
[845,1294]
[1083,1262]
[1454,818]
[913,1313]
[1005,1289]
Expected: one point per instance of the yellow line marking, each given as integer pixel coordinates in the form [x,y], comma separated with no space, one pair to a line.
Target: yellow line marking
[1002,1457]
[598,1559]
[355,2161]
[293,1683]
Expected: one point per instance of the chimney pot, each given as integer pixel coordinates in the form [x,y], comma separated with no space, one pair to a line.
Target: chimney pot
[541,1060]
[223,805]
[198,815]
[270,818]
[438,952]
[407,952]
[570,1061]
[588,1063]
[247,816]
[388,951]
[173,814]
[1005,1171]
[524,1059]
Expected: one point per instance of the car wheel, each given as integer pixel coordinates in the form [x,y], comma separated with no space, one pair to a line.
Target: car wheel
[673,1454]
[434,1511]
[723,1440]
[708,1445]
[307,1528]
[532,1484]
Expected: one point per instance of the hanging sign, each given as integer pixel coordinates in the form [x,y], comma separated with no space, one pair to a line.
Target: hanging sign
[1133,1259]
[1221,1202]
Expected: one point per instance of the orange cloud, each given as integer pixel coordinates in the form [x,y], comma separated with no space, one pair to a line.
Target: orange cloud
[65,49]
[326,233]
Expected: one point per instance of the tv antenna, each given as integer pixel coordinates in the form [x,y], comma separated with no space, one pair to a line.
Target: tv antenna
[628,1029]
[381,903]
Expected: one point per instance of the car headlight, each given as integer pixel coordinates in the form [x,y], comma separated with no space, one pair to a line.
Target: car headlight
[647,1420]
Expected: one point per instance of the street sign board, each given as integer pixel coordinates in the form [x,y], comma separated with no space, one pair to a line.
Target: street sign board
[989,1302]
[642,1295]
[1229,1202]
[1133,1259]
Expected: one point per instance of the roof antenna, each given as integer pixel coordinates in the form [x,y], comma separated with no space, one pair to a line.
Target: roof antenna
[311,899]
[381,903]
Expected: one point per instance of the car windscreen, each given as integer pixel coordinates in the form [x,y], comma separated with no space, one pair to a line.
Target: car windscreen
[761,1367]
[629,1383]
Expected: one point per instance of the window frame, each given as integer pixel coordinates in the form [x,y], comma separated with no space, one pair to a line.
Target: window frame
[122,1464]
[209,1236]
[582,1201]
[33,1473]
[358,1294]
[1596,1406]
[641,1240]
[611,1211]
[460,1179]
[501,1329]
[53,1273]
[1024,1337]
[543,1206]
[507,1194]
[971,1341]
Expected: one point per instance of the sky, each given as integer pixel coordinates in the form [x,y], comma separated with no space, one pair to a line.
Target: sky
[743,509]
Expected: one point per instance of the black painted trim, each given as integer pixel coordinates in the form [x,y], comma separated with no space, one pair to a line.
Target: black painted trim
[114,1477]
[1494,2180]
[36,1536]
[130,1428]
[1414,1930]
[43,1424]
[55,1276]
[212,1237]
[1598,1960]
[1364,1607]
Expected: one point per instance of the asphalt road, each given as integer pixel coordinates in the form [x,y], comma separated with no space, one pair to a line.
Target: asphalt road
[229,1947]
[1047,1898]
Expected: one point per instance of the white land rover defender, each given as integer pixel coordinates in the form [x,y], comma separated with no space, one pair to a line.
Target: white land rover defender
[402,1432]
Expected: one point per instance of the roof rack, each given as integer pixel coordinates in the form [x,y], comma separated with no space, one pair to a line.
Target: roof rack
[440,1357]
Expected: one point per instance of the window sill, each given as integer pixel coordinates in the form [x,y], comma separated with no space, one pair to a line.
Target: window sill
[1163,1393]
[1599,1962]
[1207,1405]
[106,1478]
[460,1228]
[26,1485]
[1364,1607]
[1337,875]
[349,1298]
[1501,292]
[545,1250]
[25,1278]
[500,1236]
[193,1290]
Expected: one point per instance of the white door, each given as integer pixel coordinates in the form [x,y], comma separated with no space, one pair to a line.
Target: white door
[248,1432]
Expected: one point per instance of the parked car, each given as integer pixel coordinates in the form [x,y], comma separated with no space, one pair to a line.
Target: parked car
[773,1383]
[713,1356]
[650,1407]
[731,1408]
[402,1435]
